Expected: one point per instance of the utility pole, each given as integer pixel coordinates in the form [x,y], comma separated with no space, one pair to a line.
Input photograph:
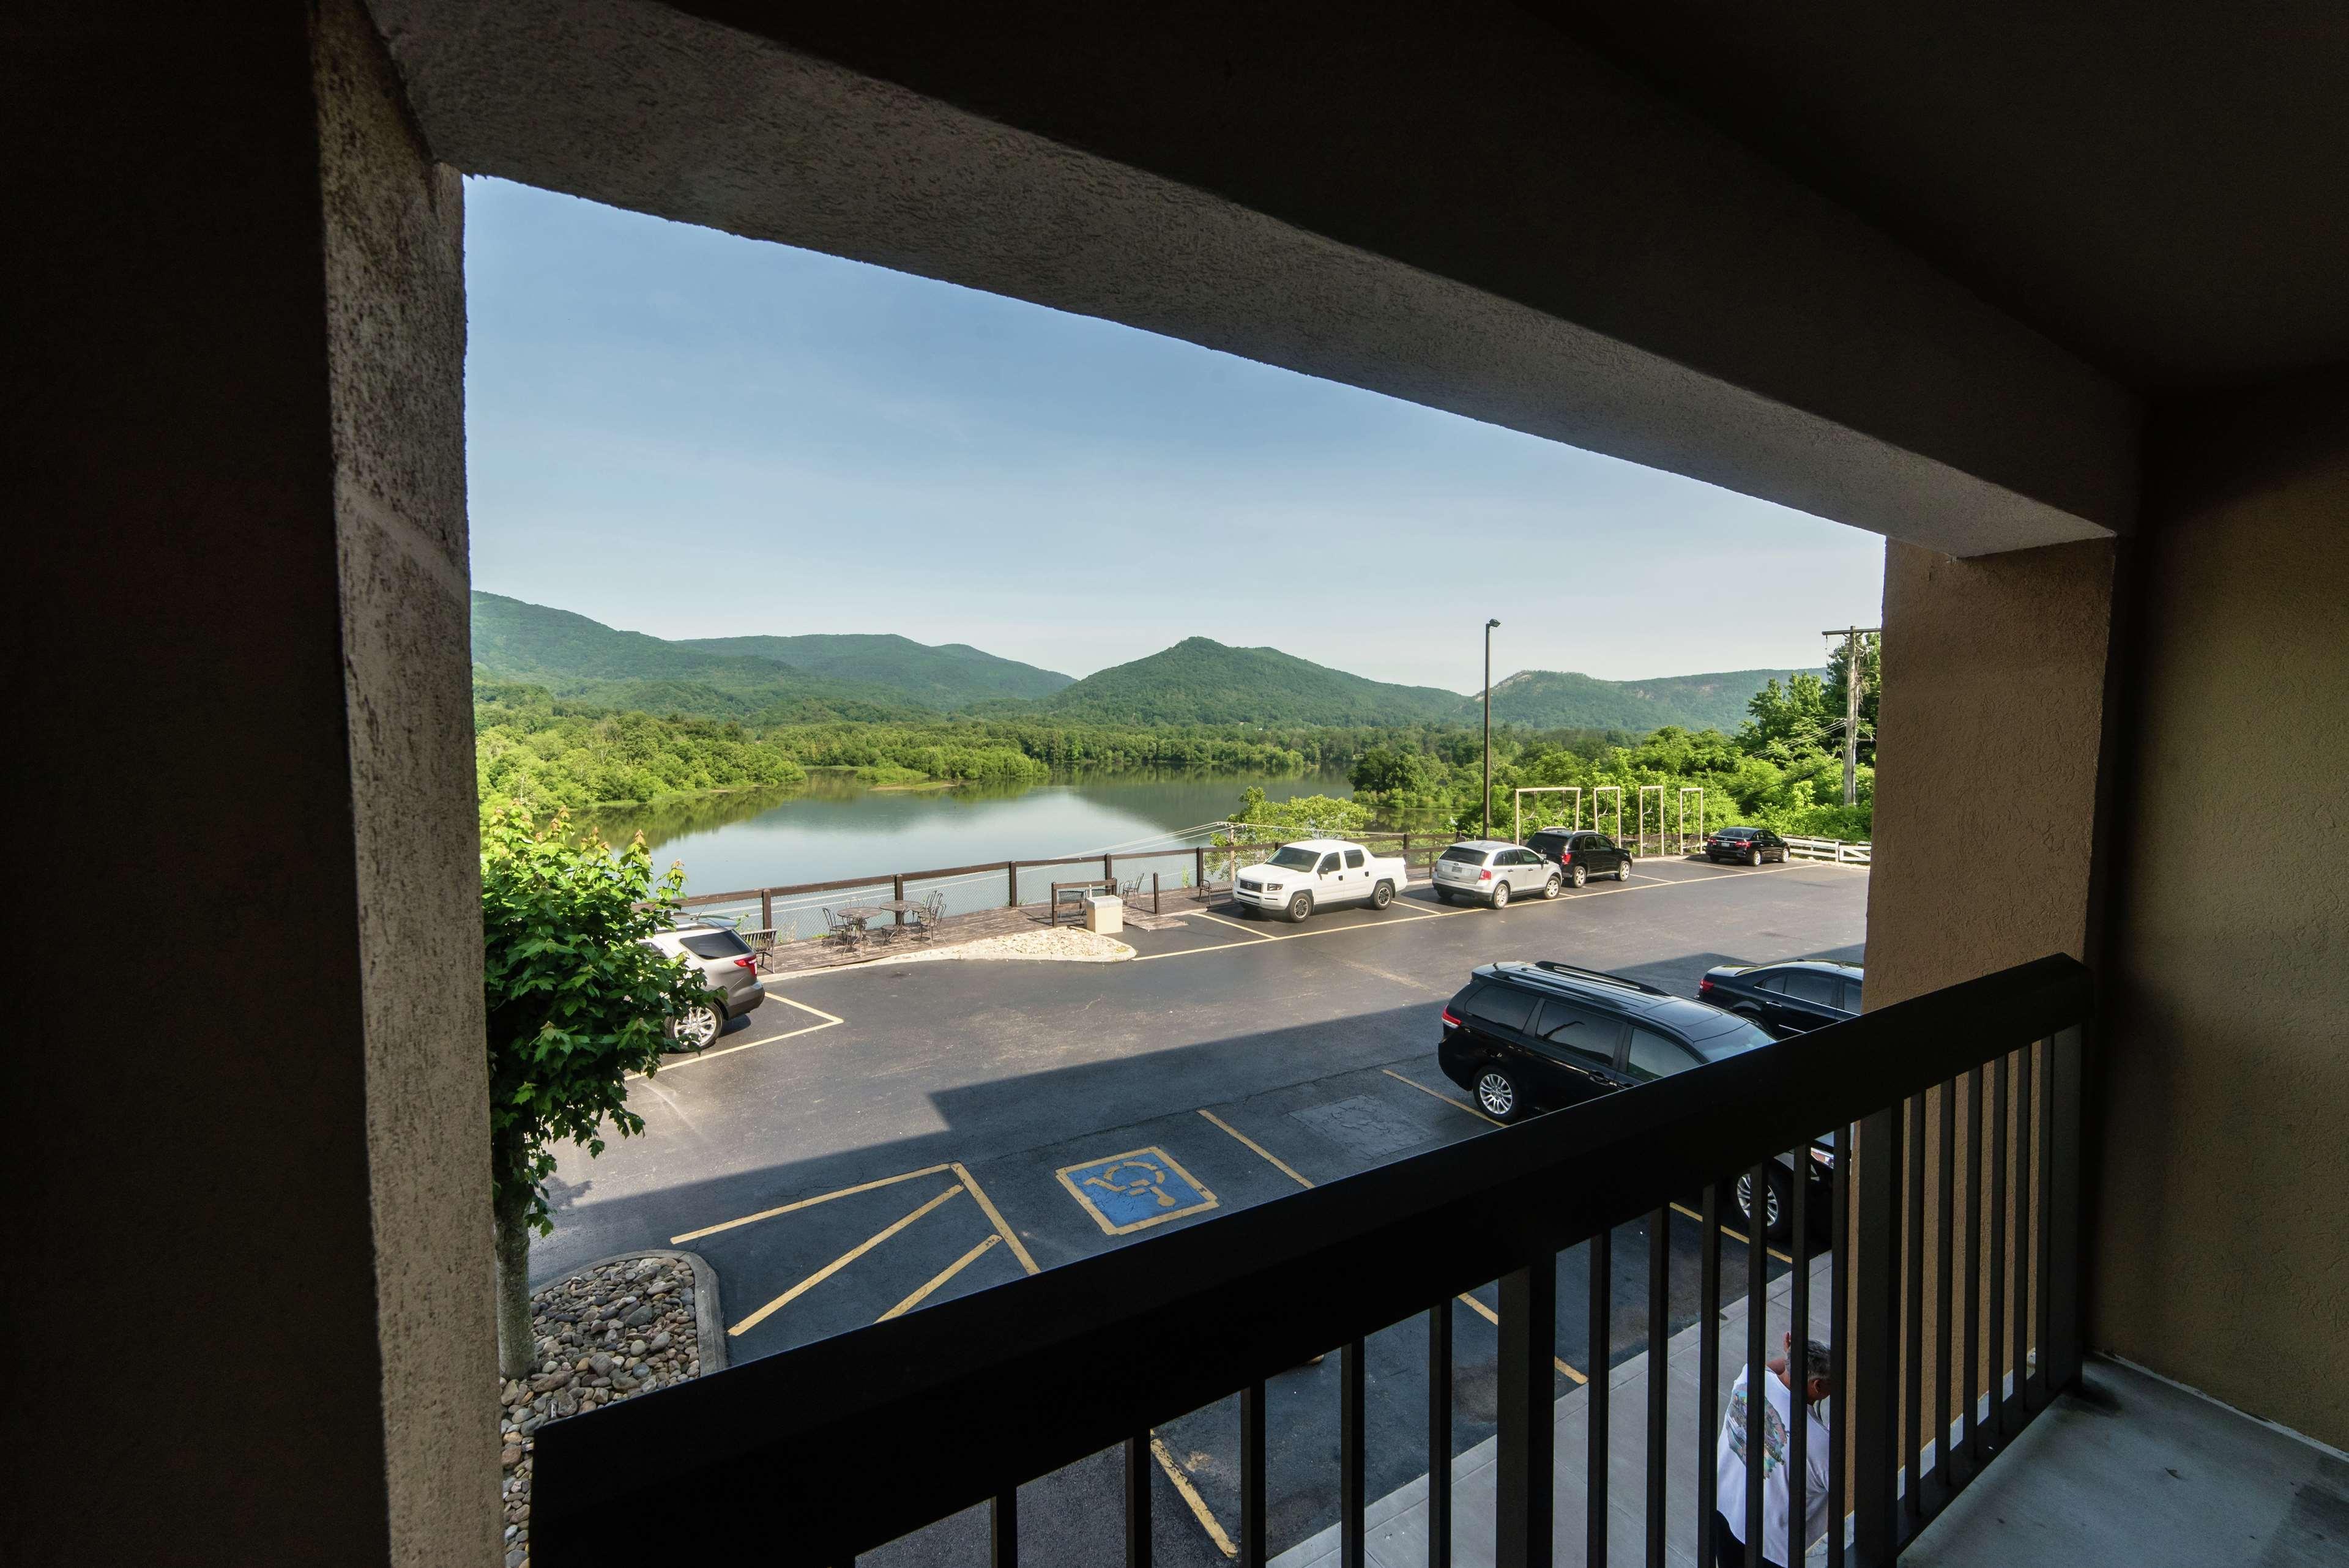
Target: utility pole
[1488,727]
[1851,636]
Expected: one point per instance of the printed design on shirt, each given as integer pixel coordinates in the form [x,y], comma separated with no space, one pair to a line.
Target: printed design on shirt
[1774,1432]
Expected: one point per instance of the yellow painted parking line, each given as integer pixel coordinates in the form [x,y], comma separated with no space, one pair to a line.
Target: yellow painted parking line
[943,1275]
[1236,925]
[1190,1494]
[1439,1094]
[1493,1318]
[812,1202]
[995,1216]
[1738,1236]
[1275,1160]
[838,1263]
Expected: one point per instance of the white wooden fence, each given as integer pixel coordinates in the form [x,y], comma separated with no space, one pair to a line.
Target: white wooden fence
[1836,850]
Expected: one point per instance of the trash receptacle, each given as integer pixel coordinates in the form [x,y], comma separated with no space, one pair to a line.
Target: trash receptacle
[1105,914]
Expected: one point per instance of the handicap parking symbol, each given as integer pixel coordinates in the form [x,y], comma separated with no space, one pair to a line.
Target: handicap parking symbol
[1131,1191]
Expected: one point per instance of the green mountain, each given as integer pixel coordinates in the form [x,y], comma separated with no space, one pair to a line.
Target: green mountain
[951,675]
[1198,681]
[573,657]
[1559,699]
[778,679]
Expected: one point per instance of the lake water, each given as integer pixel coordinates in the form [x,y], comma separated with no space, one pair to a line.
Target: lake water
[836,827]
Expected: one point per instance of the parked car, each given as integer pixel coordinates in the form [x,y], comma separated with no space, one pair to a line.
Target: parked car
[1494,872]
[1786,998]
[1579,856]
[729,969]
[1752,845]
[1526,1037]
[1314,873]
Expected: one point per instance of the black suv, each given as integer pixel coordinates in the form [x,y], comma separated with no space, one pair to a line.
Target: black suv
[1522,1037]
[1579,856]
[1752,845]
[1787,998]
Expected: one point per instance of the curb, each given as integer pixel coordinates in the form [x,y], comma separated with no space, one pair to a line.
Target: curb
[709,1320]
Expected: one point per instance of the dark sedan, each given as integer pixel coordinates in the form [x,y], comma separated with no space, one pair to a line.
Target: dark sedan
[1752,845]
[1786,998]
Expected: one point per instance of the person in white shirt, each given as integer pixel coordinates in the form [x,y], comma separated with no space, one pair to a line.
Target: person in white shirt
[1777,1496]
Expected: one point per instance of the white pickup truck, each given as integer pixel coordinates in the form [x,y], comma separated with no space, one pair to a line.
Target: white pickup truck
[1314,873]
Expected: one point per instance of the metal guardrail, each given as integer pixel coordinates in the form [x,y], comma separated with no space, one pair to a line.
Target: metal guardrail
[1841,852]
[785,1460]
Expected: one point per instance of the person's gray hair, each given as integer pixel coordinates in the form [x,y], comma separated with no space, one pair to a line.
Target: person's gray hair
[1817,1360]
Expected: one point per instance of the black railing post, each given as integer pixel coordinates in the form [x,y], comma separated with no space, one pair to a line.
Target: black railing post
[1912,1319]
[1003,1530]
[1945,1294]
[1252,1522]
[1351,1545]
[1874,1394]
[2060,1330]
[1839,1339]
[1660,1339]
[1011,881]
[1708,1368]
[1522,1503]
[1602,1303]
[1758,1354]
[1800,1370]
[1137,1502]
[897,896]
[1439,1434]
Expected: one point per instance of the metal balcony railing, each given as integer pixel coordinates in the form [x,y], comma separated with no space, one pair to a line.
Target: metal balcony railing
[776,1462]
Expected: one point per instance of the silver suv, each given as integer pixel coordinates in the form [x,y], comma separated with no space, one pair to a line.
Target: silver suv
[729,968]
[1493,872]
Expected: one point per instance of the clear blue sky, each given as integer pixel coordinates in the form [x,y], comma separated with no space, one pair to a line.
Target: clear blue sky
[685,433]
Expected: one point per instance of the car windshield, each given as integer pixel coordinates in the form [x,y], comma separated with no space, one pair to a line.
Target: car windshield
[1288,857]
[1461,855]
[1712,1034]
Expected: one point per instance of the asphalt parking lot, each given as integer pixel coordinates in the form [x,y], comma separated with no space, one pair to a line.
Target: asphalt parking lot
[884,1137]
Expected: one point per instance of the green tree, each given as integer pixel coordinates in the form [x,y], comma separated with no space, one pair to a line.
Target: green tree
[577,1000]
[1787,721]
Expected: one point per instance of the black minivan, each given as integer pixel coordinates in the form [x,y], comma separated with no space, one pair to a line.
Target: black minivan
[1522,1037]
[1579,856]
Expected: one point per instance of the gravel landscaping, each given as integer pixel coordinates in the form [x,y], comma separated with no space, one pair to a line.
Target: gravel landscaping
[1063,943]
[615,1330]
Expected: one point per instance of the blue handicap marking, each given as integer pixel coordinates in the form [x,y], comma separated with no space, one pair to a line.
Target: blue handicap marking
[1141,1187]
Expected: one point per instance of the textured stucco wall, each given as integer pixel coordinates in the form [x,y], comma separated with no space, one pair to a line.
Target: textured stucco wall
[2221,1255]
[396,344]
[1989,732]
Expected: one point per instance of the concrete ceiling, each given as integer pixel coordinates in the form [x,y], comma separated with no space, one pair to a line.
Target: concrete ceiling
[2160,185]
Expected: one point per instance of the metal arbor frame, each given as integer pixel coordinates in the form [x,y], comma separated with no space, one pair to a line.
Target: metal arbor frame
[1687,790]
[1615,791]
[1517,805]
[1658,791]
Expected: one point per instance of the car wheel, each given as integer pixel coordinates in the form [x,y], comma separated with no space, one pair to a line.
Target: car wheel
[1778,1220]
[1580,874]
[1444,895]
[1753,857]
[1623,870]
[1500,895]
[1549,888]
[1300,908]
[1496,1093]
[697,1027]
[1382,895]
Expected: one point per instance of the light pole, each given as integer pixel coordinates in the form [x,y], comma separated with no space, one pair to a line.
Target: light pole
[1488,727]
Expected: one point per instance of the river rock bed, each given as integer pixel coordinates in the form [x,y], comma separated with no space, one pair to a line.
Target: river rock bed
[612,1332]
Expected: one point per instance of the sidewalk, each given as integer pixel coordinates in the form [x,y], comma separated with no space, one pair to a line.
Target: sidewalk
[1397,1533]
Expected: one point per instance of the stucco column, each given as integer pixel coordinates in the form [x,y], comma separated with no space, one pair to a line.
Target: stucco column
[247,1155]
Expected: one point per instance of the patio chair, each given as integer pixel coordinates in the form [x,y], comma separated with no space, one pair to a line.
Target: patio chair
[934,910]
[844,930]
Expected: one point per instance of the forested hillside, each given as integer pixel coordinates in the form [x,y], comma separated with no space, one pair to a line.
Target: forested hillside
[1550,699]
[947,677]
[1200,681]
